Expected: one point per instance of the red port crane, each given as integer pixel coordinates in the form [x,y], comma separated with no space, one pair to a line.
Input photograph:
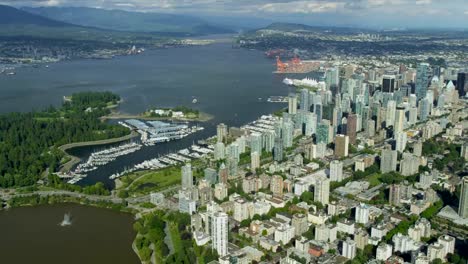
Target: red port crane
[296,60]
[280,66]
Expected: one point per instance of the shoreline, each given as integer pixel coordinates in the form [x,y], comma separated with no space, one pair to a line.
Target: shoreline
[184,43]
[75,160]
[80,200]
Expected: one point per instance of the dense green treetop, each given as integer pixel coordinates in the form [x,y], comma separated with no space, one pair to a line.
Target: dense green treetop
[29,141]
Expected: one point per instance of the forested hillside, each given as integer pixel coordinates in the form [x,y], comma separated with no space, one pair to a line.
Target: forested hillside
[29,141]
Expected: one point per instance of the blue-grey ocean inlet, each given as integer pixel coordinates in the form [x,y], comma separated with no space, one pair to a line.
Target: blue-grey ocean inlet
[230,84]
[227,83]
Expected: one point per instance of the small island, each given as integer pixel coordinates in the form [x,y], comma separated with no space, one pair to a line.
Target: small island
[176,112]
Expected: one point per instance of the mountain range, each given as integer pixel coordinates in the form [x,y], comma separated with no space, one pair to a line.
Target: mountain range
[119,20]
[12,16]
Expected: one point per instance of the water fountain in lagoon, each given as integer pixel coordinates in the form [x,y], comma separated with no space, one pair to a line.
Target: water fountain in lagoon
[66,220]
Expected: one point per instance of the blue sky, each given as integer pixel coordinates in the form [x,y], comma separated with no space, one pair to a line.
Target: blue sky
[362,13]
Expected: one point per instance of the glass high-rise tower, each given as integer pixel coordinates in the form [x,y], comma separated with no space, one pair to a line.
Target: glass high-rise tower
[422,80]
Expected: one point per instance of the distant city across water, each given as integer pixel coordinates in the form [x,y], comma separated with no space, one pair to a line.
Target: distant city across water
[231,84]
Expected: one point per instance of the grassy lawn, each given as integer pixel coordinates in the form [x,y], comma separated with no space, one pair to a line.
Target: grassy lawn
[374,179]
[143,182]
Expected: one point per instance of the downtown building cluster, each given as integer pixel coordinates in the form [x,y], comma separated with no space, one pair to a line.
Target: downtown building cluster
[331,176]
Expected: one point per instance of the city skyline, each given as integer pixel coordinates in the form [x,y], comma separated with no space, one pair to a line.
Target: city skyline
[283,144]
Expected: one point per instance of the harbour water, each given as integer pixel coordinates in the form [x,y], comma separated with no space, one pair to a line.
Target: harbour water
[95,235]
[233,85]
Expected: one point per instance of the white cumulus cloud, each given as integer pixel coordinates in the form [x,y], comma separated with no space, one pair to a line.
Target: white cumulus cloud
[301,7]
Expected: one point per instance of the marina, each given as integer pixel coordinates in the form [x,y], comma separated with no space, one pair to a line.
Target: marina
[149,130]
[152,132]
[182,156]
[99,158]
[261,125]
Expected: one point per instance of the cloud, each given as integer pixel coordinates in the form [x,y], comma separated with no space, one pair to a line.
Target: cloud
[301,7]
[125,4]
[423,2]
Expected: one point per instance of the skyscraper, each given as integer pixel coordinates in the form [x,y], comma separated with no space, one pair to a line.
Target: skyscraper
[424,109]
[269,140]
[462,83]
[318,110]
[384,251]
[305,104]
[388,83]
[240,141]
[187,176]
[409,164]
[278,150]
[400,120]
[422,80]
[463,205]
[336,120]
[219,233]
[288,130]
[292,104]
[232,166]
[211,175]
[221,132]
[322,190]
[322,133]
[299,222]
[341,146]
[349,249]
[277,185]
[310,124]
[388,160]
[395,195]
[232,151]
[336,170]
[390,114]
[400,138]
[351,128]
[223,173]
[370,128]
[219,151]
[255,161]
[255,142]
[362,213]
[413,115]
